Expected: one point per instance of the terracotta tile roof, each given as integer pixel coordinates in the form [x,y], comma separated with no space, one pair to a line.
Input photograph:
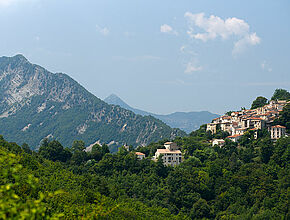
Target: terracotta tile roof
[278,126]
[166,151]
[139,153]
[254,118]
[233,136]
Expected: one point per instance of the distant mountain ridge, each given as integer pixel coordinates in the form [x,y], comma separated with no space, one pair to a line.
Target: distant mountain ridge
[187,121]
[35,103]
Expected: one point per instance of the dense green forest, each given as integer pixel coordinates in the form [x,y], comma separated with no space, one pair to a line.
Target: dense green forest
[245,180]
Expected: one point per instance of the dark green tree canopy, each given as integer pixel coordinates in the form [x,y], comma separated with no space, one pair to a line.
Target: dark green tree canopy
[259,102]
[281,94]
[54,151]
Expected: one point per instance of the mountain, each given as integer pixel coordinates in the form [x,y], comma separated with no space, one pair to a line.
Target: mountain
[35,103]
[187,121]
[115,100]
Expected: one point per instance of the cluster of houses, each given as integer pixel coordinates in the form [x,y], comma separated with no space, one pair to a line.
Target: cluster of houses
[237,123]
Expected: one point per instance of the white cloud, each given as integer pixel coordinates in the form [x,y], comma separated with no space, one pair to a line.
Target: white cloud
[187,50]
[103,30]
[242,44]
[6,2]
[265,66]
[165,28]
[192,67]
[215,27]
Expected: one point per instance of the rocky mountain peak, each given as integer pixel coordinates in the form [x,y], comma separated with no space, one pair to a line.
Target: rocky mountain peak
[35,103]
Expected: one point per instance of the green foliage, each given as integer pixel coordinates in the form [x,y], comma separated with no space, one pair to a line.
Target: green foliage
[245,180]
[281,94]
[54,151]
[259,102]
[200,210]
[50,191]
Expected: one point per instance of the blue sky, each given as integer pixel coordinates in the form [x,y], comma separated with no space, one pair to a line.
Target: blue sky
[159,56]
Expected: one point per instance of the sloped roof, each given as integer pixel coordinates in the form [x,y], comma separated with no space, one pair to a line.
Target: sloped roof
[139,153]
[166,151]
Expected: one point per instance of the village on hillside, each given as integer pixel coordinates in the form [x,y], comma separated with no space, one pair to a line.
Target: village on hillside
[237,123]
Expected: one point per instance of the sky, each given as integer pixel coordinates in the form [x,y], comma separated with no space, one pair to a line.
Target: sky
[159,56]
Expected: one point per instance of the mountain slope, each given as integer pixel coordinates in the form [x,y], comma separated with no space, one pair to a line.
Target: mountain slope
[187,121]
[35,103]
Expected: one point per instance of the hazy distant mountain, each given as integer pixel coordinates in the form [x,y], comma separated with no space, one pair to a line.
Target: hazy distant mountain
[115,100]
[35,103]
[187,121]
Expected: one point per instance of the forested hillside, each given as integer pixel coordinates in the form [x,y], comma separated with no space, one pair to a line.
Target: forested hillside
[35,103]
[245,180]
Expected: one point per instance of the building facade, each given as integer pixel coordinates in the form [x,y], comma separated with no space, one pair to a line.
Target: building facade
[171,155]
[140,156]
[218,142]
[277,131]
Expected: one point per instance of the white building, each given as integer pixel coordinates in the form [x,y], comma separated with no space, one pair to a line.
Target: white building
[277,131]
[219,142]
[235,137]
[140,156]
[171,156]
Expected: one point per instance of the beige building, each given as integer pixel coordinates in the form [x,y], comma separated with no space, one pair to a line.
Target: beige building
[171,155]
[277,131]
[226,126]
[211,127]
[253,122]
[140,156]
[219,142]
[239,131]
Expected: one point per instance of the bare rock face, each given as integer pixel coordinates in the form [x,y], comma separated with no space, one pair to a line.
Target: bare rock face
[55,105]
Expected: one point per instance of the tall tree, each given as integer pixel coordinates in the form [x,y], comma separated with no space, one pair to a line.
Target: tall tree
[54,151]
[281,94]
[259,102]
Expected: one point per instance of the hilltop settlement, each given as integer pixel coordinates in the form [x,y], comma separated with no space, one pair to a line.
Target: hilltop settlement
[237,123]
